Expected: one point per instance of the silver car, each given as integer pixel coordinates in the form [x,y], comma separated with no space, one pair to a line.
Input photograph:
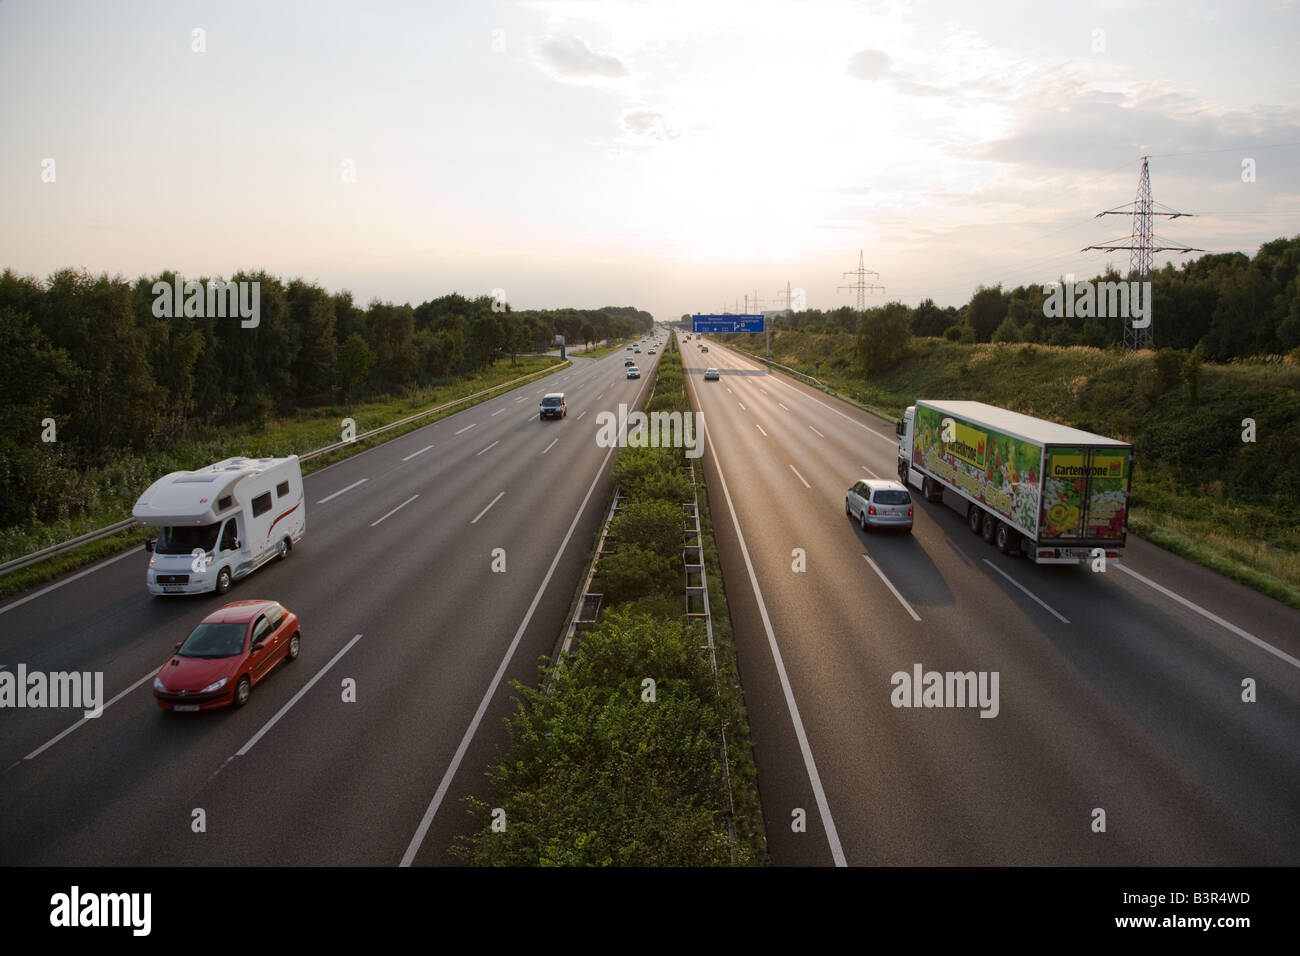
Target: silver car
[879,503]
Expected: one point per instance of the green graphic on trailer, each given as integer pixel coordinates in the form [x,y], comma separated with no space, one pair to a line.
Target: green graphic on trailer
[1085,493]
[996,470]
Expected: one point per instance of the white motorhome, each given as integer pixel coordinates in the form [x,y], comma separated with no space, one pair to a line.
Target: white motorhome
[221,522]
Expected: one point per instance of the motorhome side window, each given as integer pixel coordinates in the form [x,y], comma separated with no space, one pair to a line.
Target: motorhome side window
[261,504]
[282,489]
[224,502]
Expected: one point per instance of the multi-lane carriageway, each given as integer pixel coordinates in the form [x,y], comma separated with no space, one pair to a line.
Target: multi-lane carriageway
[1119,691]
[395,589]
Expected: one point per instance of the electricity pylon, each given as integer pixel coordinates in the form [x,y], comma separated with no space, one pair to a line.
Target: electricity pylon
[862,285]
[1141,248]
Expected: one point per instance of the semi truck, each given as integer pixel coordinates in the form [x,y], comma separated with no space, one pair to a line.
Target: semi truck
[1057,495]
[221,522]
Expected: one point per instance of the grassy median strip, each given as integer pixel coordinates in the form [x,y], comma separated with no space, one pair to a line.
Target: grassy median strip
[111,491]
[619,761]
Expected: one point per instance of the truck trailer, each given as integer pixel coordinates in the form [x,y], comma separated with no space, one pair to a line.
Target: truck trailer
[1055,494]
[221,522]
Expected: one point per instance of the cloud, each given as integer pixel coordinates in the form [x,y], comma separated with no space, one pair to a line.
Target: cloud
[573,58]
[649,124]
[868,65]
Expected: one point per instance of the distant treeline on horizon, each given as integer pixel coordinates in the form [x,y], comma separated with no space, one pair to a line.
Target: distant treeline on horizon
[1230,304]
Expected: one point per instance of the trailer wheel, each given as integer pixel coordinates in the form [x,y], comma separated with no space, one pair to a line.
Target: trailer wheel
[990,529]
[1007,539]
[974,518]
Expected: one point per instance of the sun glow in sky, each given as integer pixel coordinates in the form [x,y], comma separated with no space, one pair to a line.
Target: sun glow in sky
[668,155]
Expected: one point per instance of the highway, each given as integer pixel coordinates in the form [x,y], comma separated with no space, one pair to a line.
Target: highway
[395,590]
[1117,693]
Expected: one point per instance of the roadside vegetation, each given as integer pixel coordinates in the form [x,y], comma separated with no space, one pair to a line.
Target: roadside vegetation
[602,767]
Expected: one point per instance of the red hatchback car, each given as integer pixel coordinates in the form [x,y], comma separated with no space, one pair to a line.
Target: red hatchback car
[230,651]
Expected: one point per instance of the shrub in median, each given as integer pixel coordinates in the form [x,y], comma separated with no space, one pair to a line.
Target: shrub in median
[600,775]
[633,572]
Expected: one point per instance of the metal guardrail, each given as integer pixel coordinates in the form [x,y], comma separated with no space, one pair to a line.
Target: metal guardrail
[36,557]
[793,371]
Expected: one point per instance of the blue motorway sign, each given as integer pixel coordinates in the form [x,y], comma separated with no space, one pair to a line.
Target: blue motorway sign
[712,324]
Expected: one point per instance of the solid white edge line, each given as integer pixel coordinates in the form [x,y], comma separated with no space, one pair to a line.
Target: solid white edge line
[252,741]
[800,477]
[777,378]
[1032,595]
[1210,615]
[414,453]
[890,584]
[489,505]
[68,580]
[488,448]
[397,509]
[341,491]
[50,743]
[823,807]
[417,840]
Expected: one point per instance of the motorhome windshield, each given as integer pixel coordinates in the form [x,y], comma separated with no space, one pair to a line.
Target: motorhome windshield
[184,540]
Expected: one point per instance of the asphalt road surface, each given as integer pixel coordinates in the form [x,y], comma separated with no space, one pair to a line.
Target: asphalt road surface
[1119,692]
[395,590]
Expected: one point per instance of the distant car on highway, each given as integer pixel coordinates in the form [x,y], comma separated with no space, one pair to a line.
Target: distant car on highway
[230,651]
[633,372]
[651,352]
[879,503]
[629,362]
[552,405]
[704,348]
[711,375]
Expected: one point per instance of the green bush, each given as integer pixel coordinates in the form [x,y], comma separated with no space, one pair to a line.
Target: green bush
[643,473]
[652,524]
[632,572]
[597,775]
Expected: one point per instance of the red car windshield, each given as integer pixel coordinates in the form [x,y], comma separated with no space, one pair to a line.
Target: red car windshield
[214,640]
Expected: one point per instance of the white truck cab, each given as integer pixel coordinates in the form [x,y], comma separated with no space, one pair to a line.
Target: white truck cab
[221,522]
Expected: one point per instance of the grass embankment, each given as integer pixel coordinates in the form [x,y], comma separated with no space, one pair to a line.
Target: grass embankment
[618,761]
[1199,490]
[110,492]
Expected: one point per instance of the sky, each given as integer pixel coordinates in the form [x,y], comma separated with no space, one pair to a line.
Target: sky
[673,156]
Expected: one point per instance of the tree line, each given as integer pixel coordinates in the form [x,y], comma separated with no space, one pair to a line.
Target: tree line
[1229,304]
[90,353]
